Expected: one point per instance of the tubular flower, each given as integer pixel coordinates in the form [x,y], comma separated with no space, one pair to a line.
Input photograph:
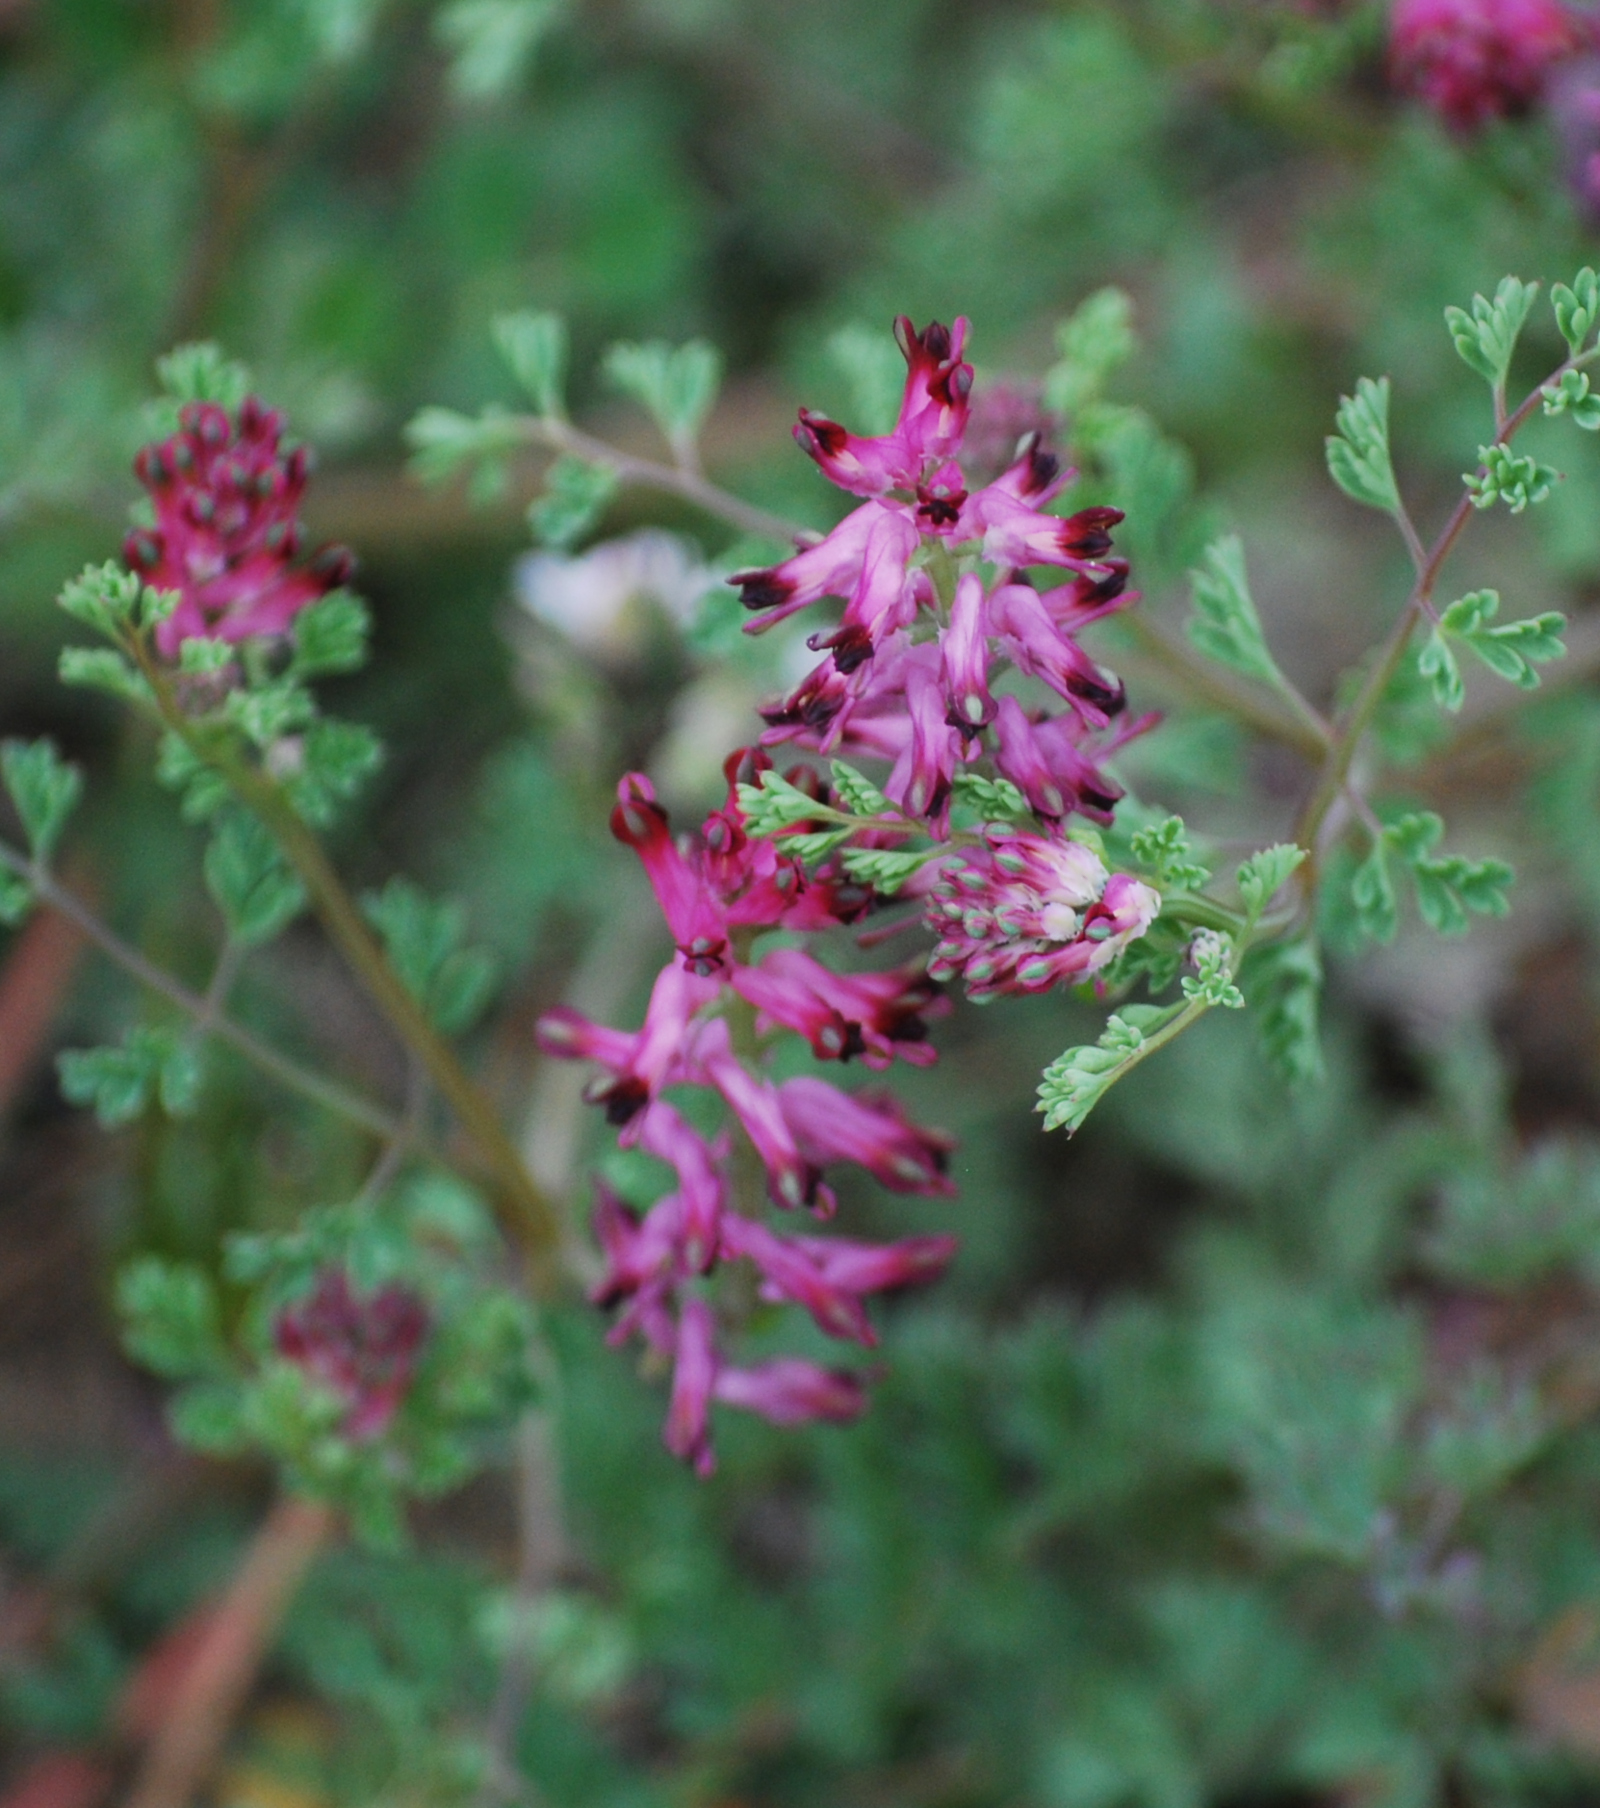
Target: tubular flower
[954,662]
[226,534]
[1024,913]
[362,1349]
[1471,61]
[714,891]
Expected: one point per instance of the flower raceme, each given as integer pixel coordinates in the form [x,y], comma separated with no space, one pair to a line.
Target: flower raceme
[362,1349]
[948,657]
[226,534]
[1471,61]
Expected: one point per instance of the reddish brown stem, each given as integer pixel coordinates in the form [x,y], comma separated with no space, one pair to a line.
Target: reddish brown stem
[229,1653]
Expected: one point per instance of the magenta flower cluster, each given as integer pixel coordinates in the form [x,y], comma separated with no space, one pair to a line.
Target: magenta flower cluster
[226,535]
[716,894]
[361,1348]
[1471,61]
[946,659]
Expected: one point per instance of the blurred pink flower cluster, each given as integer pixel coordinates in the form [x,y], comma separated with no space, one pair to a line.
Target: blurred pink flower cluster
[226,536]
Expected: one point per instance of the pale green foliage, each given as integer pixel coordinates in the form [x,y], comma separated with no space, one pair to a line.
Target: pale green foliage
[676,385]
[773,804]
[992,798]
[856,793]
[1577,309]
[1571,395]
[203,373]
[1512,649]
[1214,956]
[1282,984]
[44,789]
[423,940]
[1225,625]
[1486,337]
[1507,477]
[330,636]
[1263,875]
[534,346]
[1358,454]
[884,869]
[1092,344]
[492,42]
[874,372]
[575,496]
[120,1082]
[1075,1082]
[1163,848]
[444,441]
[245,873]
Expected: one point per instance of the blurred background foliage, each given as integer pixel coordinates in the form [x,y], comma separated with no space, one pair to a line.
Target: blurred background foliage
[1250,1453]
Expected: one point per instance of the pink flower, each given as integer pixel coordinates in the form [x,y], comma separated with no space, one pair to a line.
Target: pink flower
[789,1391]
[226,534]
[1024,913]
[871,1129]
[687,1432]
[1474,60]
[362,1349]
[874,1015]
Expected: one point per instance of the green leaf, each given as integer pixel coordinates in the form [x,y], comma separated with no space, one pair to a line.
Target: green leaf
[1450,887]
[330,764]
[210,1417]
[1438,665]
[422,939]
[1372,893]
[492,42]
[171,1320]
[1092,343]
[773,805]
[992,798]
[101,596]
[44,789]
[1505,477]
[203,373]
[268,712]
[1264,874]
[1076,1081]
[884,869]
[875,373]
[1487,337]
[1282,982]
[1225,625]
[677,385]
[444,442]
[857,794]
[535,347]
[1163,848]
[575,496]
[103,669]
[246,875]
[330,636]
[180,768]
[1577,308]
[1358,455]
[1212,954]
[1571,395]
[120,1082]
[1512,649]
[16,898]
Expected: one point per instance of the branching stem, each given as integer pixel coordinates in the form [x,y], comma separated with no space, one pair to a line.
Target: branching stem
[206,1013]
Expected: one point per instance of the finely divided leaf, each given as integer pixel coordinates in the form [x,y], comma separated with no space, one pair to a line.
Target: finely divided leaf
[1513,648]
[44,789]
[535,347]
[1358,454]
[1486,337]
[676,385]
[1225,625]
[1577,308]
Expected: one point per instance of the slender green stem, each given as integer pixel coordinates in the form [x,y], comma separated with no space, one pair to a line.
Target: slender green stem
[1352,728]
[531,1216]
[205,1013]
[682,480]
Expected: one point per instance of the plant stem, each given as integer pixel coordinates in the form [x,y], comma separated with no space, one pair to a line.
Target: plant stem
[1336,768]
[675,480]
[239,1630]
[290,1074]
[532,1217]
